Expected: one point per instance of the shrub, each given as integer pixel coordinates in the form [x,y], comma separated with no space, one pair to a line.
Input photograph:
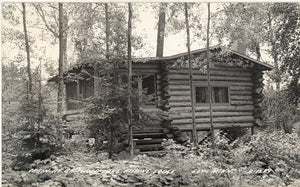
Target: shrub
[108,112]
[275,151]
[280,110]
[108,117]
[36,141]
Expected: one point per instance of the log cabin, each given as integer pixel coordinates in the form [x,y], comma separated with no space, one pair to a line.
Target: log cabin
[236,86]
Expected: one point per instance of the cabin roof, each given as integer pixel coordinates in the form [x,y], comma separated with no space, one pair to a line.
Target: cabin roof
[264,65]
[176,56]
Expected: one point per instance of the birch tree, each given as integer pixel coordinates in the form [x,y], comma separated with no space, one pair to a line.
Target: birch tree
[208,78]
[107,30]
[129,86]
[161,30]
[107,55]
[60,69]
[194,130]
[27,47]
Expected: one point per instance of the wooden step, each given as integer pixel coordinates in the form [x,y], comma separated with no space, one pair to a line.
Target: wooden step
[147,130]
[151,147]
[154,153]
[149,135]
[148,141]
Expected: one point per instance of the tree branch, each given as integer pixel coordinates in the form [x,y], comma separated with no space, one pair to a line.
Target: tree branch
[42,15]
[17,7]
[69,26]
[54,7]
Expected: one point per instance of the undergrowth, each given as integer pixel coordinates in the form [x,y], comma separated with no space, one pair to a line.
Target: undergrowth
[264,159]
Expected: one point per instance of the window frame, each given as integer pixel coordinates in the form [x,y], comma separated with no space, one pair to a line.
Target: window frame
[70,100]
[211,87]
[139,77]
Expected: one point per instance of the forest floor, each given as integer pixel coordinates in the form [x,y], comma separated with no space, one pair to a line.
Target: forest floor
[180,166]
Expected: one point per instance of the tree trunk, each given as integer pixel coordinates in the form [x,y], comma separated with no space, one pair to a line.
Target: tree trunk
[194,131]
[111,130]
[65,41]
[60,71]
[257,51]
[110,139]
[208,79]
[60,61]
[65,56]
[161,30]
[40,93]
[107,31]
[27,51]
[130,133]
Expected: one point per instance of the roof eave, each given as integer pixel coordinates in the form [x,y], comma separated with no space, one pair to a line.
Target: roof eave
[265,66]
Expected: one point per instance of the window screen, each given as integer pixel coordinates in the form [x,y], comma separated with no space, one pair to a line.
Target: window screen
[219,95]
[146,84]
[202,95]
[86,88]
[149,84]
[71,92]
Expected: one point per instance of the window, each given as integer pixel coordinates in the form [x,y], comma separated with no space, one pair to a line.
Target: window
[71,92]
[86,88]
[219,94]
[202,95]
[146,85]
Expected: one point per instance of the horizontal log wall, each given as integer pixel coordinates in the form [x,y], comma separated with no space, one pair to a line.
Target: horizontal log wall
[206,126]
[238,113]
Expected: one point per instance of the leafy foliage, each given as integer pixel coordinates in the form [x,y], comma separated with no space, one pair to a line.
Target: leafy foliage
[25,134]
[108,113]
[12,92]
[289,50]
[37,141]
[217,57]
[265,24]
[278,110]
[34,138]
[241,22]
[265,159]
[92,21]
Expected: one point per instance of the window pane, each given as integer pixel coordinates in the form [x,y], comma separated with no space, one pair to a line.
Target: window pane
[201,94]
[220,94]
[149,89]
[71,91]
[86,88]
[149,84]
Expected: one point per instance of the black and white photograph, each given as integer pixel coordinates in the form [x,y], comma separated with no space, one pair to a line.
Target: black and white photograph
[150,94]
